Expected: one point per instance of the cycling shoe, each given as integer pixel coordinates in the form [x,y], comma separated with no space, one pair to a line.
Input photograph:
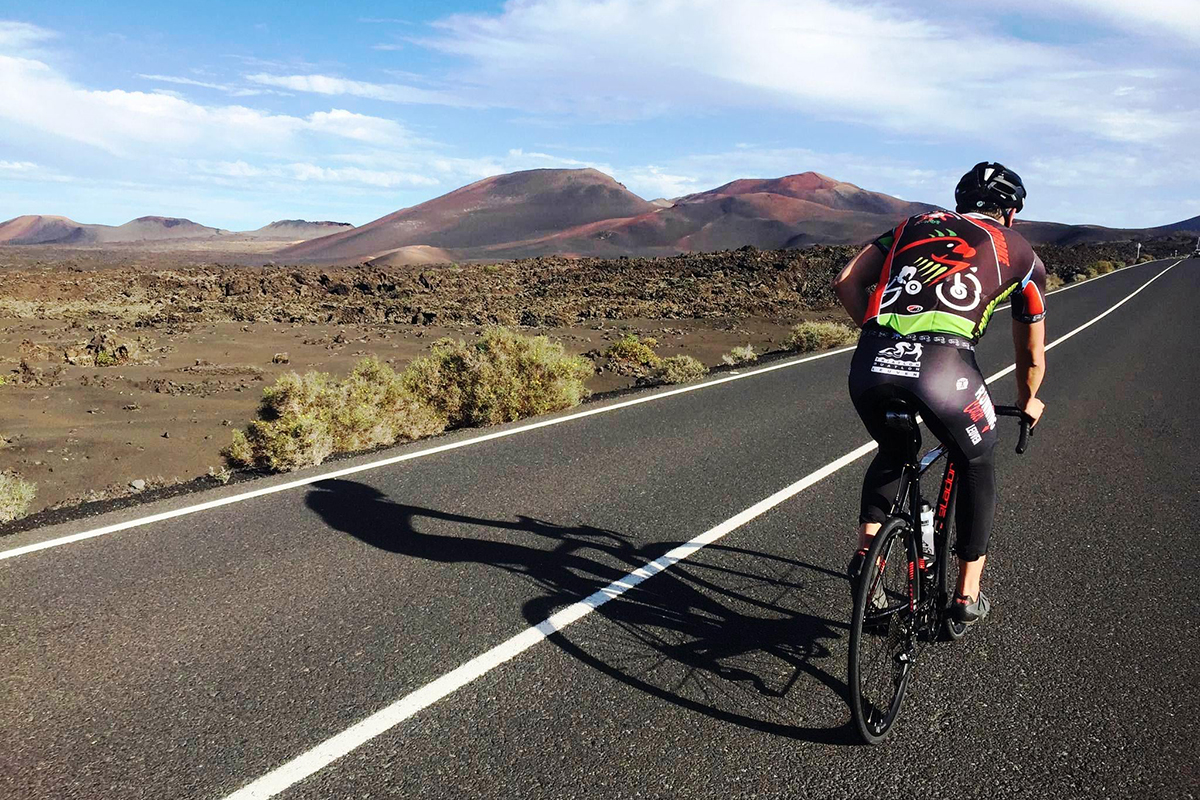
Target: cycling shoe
[971,611]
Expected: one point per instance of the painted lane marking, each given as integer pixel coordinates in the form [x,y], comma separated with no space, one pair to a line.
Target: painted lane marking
[338,473]
[325,753]
[282,487]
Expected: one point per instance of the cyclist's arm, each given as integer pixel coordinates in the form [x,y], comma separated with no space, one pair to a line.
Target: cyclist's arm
[1029,338]
[853,282]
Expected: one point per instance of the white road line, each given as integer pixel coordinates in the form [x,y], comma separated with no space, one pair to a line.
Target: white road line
[283,487]
[338,473]
[1092,321]
[310,762]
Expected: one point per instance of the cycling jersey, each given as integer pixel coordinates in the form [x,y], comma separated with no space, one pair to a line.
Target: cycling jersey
[946,272]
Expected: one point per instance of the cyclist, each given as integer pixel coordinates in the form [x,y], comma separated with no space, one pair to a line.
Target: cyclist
[938,277]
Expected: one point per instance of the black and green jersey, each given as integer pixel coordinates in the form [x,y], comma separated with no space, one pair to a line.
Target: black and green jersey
[947,272]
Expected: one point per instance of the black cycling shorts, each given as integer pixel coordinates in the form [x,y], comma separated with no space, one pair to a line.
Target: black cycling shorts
[938,376]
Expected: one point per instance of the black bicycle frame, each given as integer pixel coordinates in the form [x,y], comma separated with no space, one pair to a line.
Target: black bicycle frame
[908,503]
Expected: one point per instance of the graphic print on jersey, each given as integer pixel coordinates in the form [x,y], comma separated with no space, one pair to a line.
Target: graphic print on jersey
[946,272]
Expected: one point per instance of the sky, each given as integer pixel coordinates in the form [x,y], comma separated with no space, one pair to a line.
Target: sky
[249,112]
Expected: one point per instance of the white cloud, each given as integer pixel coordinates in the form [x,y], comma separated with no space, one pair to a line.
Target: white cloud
[324,84]
[22,35]
[383,179]
[1173,18]
[17,166]
[232,91]
[653,181]
[185,81]
[124,123]
[876,64]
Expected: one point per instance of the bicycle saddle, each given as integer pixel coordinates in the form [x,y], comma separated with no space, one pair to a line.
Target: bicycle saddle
[899,414]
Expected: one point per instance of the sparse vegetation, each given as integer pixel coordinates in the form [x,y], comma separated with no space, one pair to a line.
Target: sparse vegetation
[221,475]
[1054,282]
[740,355]
[106,349]
[810,336]
[680,369]
[1103,267]
[631,355]
[505,376]
[16,494]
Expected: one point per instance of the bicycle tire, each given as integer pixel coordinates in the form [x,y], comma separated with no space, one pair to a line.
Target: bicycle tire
[876,707]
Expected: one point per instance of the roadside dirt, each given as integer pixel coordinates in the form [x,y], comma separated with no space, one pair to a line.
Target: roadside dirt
[201,341]
[119,367]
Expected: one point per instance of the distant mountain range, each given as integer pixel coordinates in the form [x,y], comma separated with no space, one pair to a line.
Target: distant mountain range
[46,229]
[576,212]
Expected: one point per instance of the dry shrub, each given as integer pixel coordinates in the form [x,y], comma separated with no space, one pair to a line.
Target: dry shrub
[304,418]
[293,428]
[505,376]
[630,355]
[681,369]
[809,336]
[740,355]
[502,377]
[1102,267]
[1053,282]
[16,494]
[375,409]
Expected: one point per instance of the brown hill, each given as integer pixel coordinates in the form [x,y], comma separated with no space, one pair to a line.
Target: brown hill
[45,229]
[503,208]
[412,254]
[48,229]
[1062,234]
[146,229]
[584,212]
[295,230]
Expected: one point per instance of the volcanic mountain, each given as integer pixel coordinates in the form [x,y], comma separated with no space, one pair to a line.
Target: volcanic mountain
[295,230]
[1059,233]
[491,212]
[46,229]
[585,212]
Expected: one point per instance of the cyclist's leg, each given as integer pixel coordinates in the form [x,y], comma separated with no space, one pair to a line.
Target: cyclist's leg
[870,390]
[965,421]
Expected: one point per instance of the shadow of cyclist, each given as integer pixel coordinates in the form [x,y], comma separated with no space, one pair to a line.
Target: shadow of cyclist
[684,636]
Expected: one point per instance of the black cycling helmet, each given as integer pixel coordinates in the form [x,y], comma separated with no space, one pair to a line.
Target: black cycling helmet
[990,185]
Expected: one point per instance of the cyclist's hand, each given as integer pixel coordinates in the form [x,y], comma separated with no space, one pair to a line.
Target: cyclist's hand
[1034,408]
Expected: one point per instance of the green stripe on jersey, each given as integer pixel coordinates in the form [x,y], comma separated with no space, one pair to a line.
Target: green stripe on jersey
[928,322]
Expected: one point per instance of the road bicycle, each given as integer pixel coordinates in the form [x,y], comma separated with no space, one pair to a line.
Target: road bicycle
[902,602]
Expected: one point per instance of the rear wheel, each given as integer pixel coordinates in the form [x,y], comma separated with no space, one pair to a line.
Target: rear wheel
[882,634]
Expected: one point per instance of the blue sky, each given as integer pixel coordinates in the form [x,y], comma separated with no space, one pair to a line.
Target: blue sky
[250,112]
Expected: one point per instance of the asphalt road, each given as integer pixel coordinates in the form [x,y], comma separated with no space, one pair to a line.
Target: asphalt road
[189,657]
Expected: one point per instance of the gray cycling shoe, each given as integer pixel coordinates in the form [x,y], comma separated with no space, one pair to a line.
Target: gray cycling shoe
[972,611]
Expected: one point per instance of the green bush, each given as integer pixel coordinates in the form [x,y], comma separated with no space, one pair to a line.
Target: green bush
[504,376]
[740,355]
[809,336]
[375,409]
[16,494]
[304,418]
[500,378]
[294,425]
[680,369]
[630,355]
